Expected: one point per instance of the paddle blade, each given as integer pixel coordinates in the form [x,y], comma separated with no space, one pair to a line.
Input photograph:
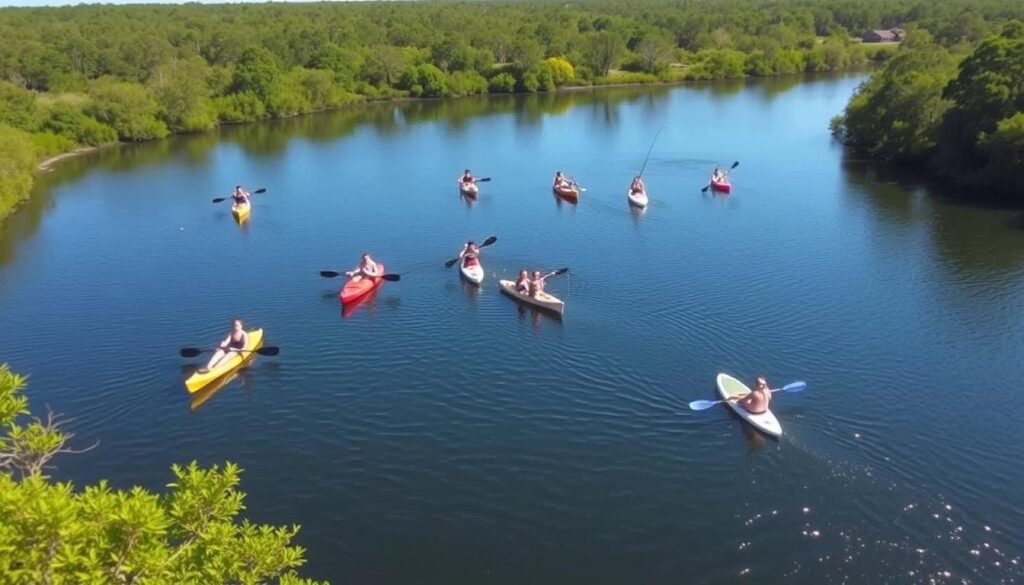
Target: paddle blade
[560,271]
[734,165]
[329,273]
[190,351]
[268,350]
[794,387]
[705,189]
[483,180]
[219,199]
[489,241]
[392,277]
[258,191]
[451,263]
[703,404]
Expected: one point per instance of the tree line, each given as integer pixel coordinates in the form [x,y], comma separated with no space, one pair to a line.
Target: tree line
[91,75]
[955,110]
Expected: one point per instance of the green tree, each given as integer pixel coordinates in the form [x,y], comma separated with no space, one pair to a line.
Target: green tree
[256,73]
[127,108]
[562,70]
[181,91]
[193,533]
[17,163]
[18,107]
[65,119]
[424,81]
[503,82]
[602,50]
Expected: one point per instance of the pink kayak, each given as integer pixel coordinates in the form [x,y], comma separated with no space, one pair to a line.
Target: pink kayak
[721,186]
[356,289]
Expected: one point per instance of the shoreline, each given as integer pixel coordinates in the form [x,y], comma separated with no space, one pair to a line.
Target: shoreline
[47,163]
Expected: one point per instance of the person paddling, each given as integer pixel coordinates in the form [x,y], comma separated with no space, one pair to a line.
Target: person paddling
[523,282]
[637,186]
[240,196]
[232,344]
[758,399]
[470,254]
[367,269]
[561,182]
[717,176]
[537,283]
[467,178]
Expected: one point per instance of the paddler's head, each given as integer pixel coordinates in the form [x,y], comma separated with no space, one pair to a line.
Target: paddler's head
[236,324]
[762,383]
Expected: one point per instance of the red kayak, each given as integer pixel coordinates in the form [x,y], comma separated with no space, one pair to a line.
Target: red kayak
[357,289]
[721,186]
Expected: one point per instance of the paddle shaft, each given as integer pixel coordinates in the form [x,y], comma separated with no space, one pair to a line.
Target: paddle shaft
[648,157]
[485,243]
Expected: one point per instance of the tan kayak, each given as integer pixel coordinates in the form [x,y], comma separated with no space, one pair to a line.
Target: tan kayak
[542,300]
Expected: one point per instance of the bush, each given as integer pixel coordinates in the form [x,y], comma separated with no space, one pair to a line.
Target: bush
[17,163]
[18,107]
[67,120]
[239,107]
[502,83]
[49,144]
[466,83]
[128,108]
[562,70]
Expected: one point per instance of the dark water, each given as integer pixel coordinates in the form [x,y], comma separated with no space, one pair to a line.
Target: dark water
[441,434]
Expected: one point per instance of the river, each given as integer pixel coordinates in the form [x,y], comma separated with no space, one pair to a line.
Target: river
[440,433]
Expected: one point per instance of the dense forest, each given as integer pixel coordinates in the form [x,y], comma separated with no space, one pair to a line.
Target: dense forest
[90,75]
[959,113]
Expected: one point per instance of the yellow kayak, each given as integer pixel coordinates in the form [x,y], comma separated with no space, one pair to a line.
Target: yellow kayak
[197,380]
[241,212]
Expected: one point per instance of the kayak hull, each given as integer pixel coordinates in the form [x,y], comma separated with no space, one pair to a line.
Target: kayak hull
[637,198]
[470,190]
[473,273]
[241,212]
[197,381]
[543,300]
[764,422]
[721,187]
[357,289]
[567,193]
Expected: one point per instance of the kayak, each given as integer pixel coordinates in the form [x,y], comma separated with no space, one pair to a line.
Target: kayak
[567,193]
[241,212]
[721,186]
[543,300]
[469,189]
[764,422]
[637,198]
[356,289]
[473,273]
[198,380]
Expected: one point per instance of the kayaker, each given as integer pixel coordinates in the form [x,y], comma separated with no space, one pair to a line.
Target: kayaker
[367,268]
[469,254]
[758,399]
[561,182]
[537,283]
[235,341]
[240,196]
[718,176]
[637,186]
[467,178]
[523,282]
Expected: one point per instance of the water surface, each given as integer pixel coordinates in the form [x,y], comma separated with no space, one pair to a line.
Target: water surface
[440,433]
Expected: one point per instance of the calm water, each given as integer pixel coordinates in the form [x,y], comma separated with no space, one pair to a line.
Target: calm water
[442,434]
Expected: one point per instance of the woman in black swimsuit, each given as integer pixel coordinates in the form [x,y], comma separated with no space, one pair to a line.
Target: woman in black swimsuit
[232,344]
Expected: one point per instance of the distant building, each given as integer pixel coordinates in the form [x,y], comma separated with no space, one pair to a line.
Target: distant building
[893,35]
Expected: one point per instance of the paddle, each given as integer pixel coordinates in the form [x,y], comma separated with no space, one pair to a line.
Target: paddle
[648,157]
[387,277]
[706,404]
[256,192]
[486,243]
[708,186]
[477,180]
[576,183]
[194,351]
[556,273]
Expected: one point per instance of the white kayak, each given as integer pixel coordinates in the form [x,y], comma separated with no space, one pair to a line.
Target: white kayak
[637,198]
[765,422]
[473,273]
[542,300]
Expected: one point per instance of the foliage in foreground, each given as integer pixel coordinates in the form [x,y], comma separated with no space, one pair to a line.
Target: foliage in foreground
[962,115]
[192,534]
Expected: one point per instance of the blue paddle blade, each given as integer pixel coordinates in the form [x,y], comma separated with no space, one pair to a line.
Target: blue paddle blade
[794,387]
[703,404]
